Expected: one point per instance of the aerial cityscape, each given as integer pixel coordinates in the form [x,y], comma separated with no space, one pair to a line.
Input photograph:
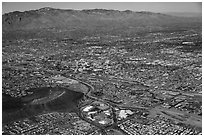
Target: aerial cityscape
[101,72]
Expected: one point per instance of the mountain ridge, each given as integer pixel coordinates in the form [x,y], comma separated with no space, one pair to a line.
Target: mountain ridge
[83,10]
[91,21]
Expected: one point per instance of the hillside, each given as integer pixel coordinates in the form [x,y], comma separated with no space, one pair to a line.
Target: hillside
[87,22]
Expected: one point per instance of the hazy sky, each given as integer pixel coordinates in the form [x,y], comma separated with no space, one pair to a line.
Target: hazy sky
[134,6]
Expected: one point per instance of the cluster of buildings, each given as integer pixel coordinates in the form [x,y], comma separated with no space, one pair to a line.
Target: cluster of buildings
[166,71]
[157,126]
[99,113]
[51,123]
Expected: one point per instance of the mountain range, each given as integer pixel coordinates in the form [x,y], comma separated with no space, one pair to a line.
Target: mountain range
[90,22]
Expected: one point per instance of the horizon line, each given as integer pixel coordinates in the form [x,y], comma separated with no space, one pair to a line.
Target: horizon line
[98,9]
